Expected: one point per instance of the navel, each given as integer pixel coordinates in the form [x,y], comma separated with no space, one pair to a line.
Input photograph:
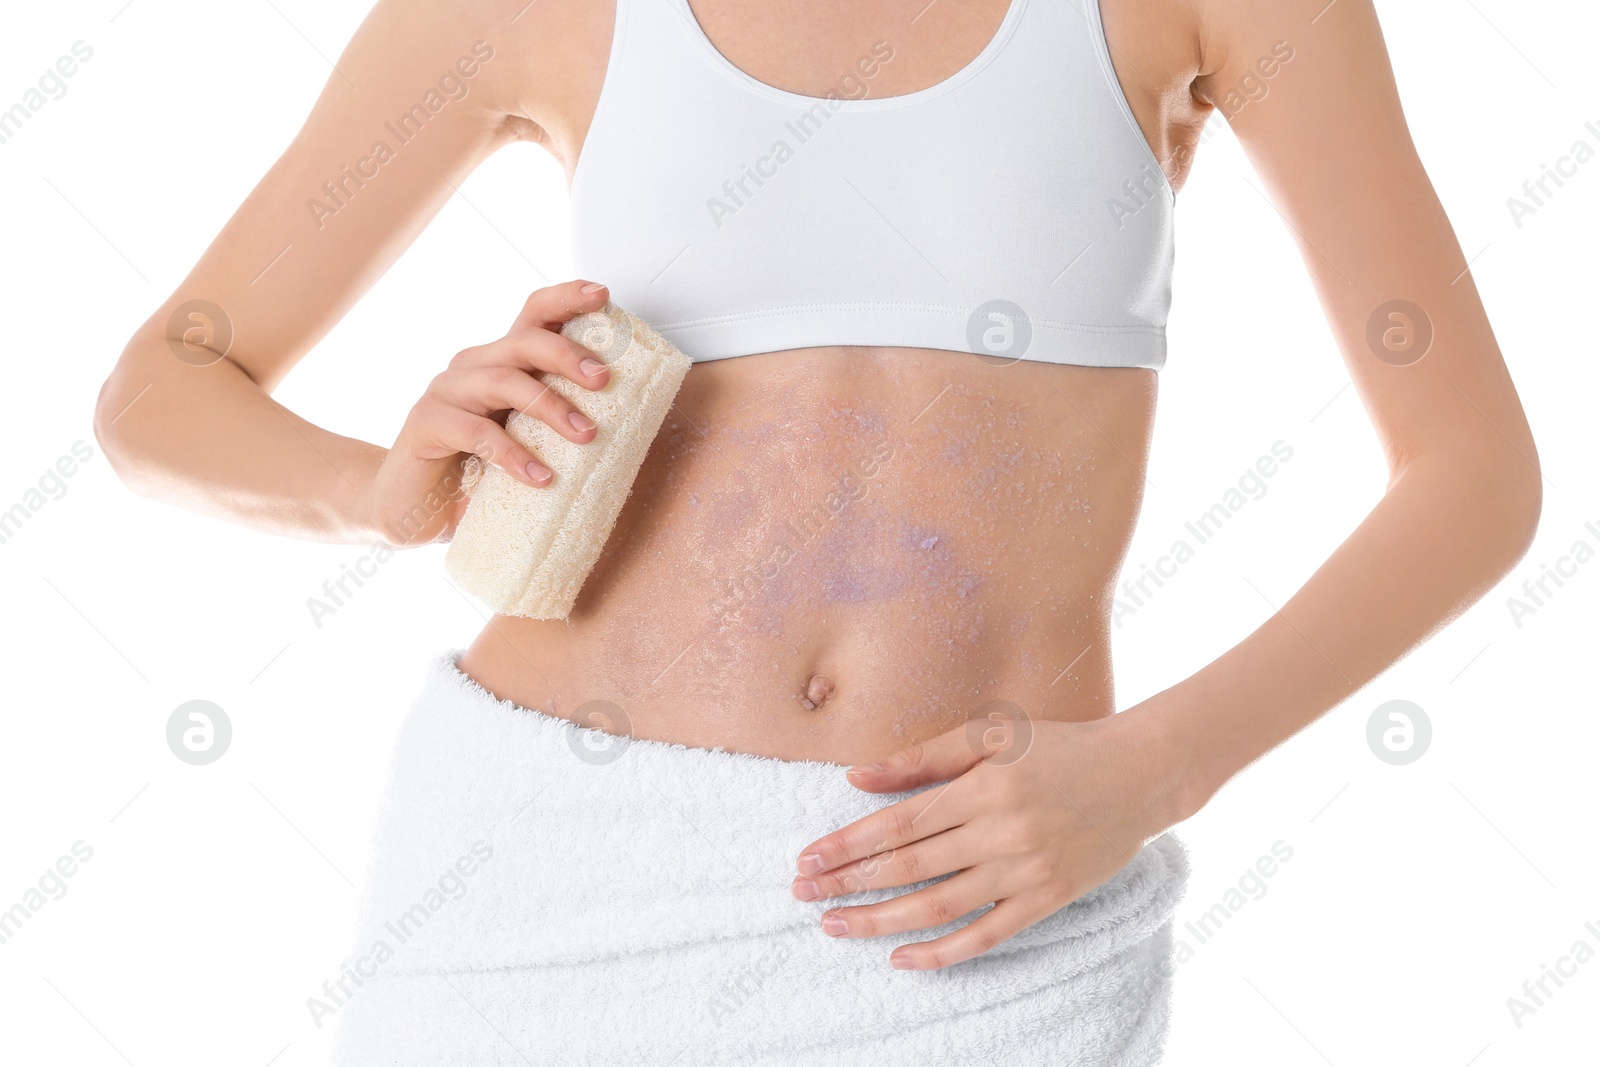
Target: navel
[817,692]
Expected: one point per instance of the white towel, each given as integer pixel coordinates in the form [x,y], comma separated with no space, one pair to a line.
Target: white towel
[547,894]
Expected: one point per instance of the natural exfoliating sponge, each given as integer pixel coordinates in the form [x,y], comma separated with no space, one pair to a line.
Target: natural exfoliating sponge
[526,551]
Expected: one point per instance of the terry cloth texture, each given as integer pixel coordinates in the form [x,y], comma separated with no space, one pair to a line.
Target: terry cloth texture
[526,551]
[542,893]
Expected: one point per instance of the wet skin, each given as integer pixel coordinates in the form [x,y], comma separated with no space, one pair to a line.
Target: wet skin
[833,553]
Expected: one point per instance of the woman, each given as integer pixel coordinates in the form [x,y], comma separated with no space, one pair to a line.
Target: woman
[920,255]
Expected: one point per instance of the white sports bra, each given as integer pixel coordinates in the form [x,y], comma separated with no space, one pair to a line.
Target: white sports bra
[1014,209]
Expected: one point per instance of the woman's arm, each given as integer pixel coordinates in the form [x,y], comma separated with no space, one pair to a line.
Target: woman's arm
[1070,803]
[424,92]
[1463,499]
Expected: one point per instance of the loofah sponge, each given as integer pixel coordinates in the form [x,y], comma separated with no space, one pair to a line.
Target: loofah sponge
[526,551]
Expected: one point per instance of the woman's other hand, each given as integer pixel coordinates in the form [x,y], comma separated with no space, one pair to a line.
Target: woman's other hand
[1033,815]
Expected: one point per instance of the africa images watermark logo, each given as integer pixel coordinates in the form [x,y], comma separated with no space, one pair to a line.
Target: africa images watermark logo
[199,732]
[1399,732]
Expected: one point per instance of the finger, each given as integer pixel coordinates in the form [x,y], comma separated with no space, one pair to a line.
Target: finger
[946,756]
[546,351]
[936,905]
[488,390]
[535,351]
[952,850]
[912,819]
[1006,919]
[453,429]
[550,307]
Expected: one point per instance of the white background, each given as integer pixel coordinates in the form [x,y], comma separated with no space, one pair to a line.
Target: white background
[1417,900]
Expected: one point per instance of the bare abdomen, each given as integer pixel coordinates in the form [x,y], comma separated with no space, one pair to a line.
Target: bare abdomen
[833,553]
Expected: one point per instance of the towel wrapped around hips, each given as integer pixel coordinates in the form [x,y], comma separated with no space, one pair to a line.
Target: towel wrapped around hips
[543,893]
[526,551]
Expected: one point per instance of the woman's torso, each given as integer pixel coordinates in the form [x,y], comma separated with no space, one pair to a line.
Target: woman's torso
[831,553]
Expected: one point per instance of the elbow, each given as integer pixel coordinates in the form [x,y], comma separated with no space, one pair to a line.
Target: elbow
[1492,499]
[1526,506]
[115,433]
[1511,496]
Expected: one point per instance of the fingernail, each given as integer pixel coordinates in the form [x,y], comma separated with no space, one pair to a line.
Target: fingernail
[579,422]
[805,889]
[591,367]
[811,863]
[834,926]
[592,287]
[902,963]
[538,472]
[866,768]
